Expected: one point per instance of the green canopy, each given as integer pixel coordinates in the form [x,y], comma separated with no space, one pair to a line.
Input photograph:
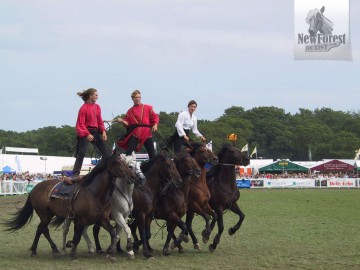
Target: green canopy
[281,166]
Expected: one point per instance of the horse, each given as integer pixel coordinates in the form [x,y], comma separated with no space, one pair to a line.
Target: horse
[318,22]
[172,205]
[221,180]
[90,204]
[121,207]
[199,194]
[160,173]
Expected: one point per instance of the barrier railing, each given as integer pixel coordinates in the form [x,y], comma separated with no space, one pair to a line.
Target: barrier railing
[10,187]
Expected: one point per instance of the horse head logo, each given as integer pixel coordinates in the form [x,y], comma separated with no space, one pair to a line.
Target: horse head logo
[318,22]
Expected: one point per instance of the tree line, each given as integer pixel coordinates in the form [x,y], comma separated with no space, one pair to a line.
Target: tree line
[277,135]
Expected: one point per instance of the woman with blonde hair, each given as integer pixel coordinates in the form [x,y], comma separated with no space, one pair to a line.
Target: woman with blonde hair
[90,128]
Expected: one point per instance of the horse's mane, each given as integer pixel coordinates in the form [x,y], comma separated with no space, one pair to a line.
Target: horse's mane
[180,156]
[146,165]
[97,169]
[194,146]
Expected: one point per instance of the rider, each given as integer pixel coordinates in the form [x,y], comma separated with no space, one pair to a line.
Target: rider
[89,128]
[186,120]
[139,121]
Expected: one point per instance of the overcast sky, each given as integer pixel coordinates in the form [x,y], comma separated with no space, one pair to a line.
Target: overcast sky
[221,53]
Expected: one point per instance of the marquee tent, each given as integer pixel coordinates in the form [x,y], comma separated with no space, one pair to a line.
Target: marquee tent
[333,166]
[282,166]
[8,169]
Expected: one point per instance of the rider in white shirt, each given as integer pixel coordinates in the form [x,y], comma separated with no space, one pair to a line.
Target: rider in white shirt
[186,121]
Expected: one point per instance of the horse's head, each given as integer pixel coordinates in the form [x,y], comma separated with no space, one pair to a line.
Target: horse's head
[318,23]
[134,166]
[118,168]
[165,169]
[202,154]
[230,154]
[186,165]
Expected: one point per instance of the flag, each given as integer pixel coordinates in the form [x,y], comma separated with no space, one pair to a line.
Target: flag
[253,152]
[245,148]
[209,145]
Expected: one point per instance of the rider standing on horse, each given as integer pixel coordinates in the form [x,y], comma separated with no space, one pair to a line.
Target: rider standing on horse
[140,120]
[89,128]
[186,121]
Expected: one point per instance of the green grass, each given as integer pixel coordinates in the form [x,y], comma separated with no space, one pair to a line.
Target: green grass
[283,229]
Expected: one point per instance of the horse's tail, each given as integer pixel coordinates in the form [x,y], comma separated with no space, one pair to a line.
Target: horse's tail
[21,218]
[56,222]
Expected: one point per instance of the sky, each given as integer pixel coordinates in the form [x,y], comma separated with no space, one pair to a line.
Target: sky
[221,53]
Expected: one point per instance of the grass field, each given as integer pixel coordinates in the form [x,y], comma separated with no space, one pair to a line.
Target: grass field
[283,229]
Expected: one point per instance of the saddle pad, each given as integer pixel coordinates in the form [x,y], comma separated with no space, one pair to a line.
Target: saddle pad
[62,190]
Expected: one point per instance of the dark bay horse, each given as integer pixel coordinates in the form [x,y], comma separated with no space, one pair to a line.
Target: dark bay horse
[221,180]
[173,204]
[90,204]
[121,207]
[199,194]
[160,173]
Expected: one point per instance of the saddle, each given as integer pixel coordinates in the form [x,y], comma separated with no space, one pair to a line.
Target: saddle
[63,191]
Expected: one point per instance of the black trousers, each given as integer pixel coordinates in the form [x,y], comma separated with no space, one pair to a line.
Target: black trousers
[179,141]
[148,144]
[81,149]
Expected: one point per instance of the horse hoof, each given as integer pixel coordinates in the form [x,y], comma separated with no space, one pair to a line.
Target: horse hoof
[181,250]
[111,258]
[91,253]
[33,254]
[205,236]
[185,238]
[100,251]
[197,247]
[130,256]
[231,231]
[69,244]
[211,248]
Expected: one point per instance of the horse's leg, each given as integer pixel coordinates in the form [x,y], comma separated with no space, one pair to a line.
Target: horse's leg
[177,241]
[207,231]
[188,221]
[236,209]
[66,227]
[142,232]
[45,231]
[148,233]
[170,229]
[112,231]
[121,223]
[78,230]
[96,230]
[41,229]
[133,226]
[90,246]
[216,241]
[118,244]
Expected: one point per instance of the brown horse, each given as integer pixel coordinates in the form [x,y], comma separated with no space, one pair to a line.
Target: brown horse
[173,205]
[221,180]
[199,195]
[90,204]
[160,173]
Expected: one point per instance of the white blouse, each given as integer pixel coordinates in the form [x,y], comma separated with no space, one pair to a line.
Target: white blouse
[187,121]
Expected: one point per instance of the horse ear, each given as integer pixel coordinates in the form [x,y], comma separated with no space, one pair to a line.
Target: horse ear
[133,155]
[322,9]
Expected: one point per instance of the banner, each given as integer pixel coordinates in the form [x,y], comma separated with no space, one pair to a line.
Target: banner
[322,30]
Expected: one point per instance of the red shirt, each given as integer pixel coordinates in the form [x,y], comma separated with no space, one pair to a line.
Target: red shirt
[89,116]
[139,114]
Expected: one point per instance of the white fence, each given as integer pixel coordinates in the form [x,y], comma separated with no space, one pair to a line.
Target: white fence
[10,187]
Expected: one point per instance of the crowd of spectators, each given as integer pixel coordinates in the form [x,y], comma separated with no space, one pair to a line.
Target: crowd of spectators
[318,176]
[26,176]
